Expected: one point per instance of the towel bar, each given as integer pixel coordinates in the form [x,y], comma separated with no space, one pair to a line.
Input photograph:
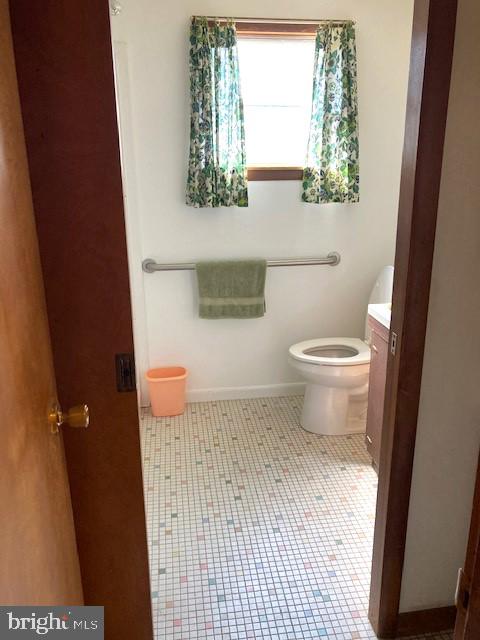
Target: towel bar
[333,258]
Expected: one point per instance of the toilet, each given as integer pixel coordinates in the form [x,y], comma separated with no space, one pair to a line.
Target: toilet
[336,373]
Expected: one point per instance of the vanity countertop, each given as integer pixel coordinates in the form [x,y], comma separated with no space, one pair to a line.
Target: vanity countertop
[381,312]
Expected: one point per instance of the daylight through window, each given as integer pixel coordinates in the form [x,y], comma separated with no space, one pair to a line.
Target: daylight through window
[276,78]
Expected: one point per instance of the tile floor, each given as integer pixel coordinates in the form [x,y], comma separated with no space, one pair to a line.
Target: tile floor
[257,529]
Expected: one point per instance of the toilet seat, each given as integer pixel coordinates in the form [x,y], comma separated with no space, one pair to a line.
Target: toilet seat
[344,351]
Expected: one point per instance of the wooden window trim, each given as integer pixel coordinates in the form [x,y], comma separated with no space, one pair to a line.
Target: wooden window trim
[273,29]
[259,174]
[276,30]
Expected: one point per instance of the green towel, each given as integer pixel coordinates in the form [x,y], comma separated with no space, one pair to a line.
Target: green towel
[231,289]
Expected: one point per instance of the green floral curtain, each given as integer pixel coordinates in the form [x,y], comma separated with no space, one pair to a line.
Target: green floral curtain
[332,173]
[217,172]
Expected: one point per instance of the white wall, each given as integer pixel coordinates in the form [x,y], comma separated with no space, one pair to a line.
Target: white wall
[301,302]
[448,434]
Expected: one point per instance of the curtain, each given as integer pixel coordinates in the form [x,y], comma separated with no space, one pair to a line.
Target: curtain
[332,170]
[217,171]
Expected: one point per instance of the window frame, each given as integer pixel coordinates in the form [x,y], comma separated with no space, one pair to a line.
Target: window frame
[275,30]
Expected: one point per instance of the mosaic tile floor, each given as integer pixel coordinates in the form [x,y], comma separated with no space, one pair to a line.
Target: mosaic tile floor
[257,529]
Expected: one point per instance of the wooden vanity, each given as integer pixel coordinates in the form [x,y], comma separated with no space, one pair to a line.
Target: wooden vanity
[376,390]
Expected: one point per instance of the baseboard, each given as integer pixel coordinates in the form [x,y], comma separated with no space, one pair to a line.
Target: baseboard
[242,393]
[412,623]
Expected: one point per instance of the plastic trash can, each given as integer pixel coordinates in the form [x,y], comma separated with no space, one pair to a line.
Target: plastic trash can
[166,386]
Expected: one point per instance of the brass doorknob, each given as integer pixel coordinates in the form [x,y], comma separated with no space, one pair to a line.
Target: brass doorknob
[77,417]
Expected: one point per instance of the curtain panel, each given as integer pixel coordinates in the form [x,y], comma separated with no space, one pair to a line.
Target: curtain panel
[217,171]
[331,173]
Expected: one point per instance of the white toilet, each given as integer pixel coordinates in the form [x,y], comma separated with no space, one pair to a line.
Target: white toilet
[336,372]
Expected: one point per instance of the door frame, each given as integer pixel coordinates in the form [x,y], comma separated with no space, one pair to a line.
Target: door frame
[431,58]
[432,45]
[467,589]
[65,74]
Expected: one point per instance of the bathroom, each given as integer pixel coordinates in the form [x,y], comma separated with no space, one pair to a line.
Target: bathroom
[211,474]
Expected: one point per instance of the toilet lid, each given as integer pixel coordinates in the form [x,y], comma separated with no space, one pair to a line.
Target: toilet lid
[332,351]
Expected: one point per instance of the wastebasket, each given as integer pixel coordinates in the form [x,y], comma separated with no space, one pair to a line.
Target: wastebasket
[166,386]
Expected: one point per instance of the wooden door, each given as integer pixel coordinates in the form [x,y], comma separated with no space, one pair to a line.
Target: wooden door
[468,593]
[38,554]
[65,73]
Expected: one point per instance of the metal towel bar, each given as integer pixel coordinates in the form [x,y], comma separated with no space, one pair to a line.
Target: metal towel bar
[333,258]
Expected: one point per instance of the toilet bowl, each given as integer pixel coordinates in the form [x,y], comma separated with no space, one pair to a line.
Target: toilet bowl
[336,373]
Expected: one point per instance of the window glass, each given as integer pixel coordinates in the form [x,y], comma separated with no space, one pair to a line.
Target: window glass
[276,76]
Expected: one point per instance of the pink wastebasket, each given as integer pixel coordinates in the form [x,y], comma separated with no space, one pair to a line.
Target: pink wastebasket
[166,386]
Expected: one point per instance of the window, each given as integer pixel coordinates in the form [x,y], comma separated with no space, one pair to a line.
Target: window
[299,116]
[276,77]
[276,71]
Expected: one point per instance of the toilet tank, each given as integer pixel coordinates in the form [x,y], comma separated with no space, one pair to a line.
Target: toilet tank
[381,293]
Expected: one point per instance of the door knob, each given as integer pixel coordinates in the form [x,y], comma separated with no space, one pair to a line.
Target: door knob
[77,417]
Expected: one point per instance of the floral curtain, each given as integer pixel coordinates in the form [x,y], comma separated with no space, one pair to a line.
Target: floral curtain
[217,172]
[332,171]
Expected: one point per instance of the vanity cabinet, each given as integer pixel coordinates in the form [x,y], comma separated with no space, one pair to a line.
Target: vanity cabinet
[376,389]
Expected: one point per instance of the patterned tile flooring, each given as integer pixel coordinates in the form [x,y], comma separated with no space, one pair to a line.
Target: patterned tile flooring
[257,529]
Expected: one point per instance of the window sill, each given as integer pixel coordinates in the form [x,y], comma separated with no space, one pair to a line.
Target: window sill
[274,173]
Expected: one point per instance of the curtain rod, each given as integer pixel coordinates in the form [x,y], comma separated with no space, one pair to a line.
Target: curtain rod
[275,20]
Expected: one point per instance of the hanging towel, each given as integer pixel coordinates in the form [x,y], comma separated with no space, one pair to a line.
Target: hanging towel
[231,289]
